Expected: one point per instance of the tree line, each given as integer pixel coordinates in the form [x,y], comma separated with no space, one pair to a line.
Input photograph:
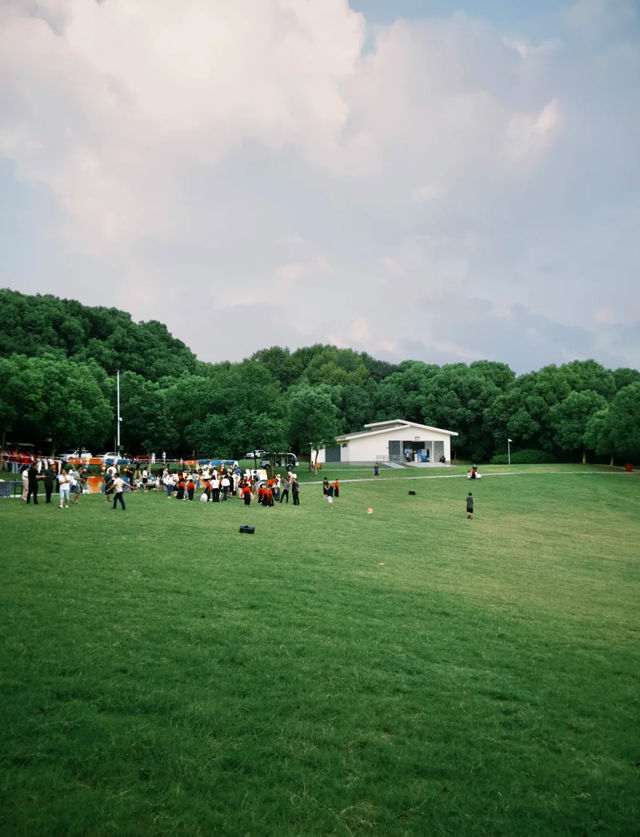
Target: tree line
[58,364]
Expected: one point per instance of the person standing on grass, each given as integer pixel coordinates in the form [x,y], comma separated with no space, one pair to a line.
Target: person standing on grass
[25,482]
[376,471]
[118,492]
[469,506]
[336,488]
[49,482]
[74,477]
[295,491]
[286,483]
[245,492]
[32,483]
[330,495]
[63,482]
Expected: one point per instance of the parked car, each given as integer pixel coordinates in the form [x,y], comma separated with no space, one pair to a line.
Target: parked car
[76,454]
[254,454]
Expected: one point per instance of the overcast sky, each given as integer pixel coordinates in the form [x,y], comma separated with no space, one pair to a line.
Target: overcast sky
[419,180]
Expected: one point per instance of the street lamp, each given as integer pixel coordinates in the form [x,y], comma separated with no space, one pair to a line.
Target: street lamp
[509,450]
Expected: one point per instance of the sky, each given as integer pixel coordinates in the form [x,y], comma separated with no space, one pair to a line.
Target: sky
[434,181]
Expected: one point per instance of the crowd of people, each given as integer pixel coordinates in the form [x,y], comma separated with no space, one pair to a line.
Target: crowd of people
[209,484]
[53,474]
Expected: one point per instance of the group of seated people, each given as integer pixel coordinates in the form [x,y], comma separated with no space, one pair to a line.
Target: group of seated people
[473,474]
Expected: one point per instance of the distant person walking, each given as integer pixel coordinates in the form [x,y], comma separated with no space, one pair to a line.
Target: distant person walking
[469,505]
[330,496]
[118,492]
[376,470]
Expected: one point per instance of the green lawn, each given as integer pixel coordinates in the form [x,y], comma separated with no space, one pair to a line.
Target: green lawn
[405,672]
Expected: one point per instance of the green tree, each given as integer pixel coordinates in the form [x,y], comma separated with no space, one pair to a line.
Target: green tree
[21,398]
[570,419]
[75,410]
[620,430]
[312,418]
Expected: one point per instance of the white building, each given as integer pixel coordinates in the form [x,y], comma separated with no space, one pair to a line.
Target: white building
[392,441]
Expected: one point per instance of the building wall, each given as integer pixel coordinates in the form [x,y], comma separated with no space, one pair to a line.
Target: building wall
[371,448]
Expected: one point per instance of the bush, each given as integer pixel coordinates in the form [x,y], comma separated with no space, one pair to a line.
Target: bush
[524,457]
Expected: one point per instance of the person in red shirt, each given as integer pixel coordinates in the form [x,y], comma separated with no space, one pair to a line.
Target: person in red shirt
[336,489]
[191,487]
[245,493]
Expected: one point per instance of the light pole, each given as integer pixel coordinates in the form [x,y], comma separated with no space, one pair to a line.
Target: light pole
[509,450]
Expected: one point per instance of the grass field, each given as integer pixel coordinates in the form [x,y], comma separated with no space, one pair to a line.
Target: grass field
[405,672]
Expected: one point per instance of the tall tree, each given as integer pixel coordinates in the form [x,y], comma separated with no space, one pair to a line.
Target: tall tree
[570,419]
[312,417]
[620,430]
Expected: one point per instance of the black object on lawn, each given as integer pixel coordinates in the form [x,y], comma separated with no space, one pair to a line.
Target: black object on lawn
[247,530]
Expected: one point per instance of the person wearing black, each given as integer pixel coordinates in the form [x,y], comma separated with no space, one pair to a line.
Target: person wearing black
[469,505]
[295,491]
[33,484]
[49,482]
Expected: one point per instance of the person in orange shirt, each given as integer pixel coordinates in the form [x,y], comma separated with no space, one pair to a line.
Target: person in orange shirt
[336,489]
[245,493]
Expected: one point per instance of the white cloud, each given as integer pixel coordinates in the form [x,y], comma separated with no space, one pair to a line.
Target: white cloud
[529,134]
[451,190]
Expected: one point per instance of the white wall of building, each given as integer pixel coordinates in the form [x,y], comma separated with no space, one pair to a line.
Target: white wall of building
[373,446]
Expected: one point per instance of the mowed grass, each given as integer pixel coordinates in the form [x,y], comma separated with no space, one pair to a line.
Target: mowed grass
[405,672]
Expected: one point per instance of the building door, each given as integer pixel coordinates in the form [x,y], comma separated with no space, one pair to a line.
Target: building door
[395,451]
[332,453]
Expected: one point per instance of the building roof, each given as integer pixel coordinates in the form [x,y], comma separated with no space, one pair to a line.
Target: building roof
[380,427]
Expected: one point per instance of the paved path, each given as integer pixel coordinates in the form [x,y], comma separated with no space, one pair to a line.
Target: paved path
[464,476]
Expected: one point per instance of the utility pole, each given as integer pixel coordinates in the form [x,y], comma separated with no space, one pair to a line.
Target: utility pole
[118,413]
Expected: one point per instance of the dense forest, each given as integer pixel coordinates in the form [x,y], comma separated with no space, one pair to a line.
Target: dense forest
[58,364]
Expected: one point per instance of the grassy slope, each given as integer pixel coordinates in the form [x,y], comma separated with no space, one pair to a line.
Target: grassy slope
[405,672]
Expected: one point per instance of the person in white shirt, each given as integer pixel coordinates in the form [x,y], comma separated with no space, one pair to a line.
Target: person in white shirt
[74,484]
[118,492]
[63,482]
